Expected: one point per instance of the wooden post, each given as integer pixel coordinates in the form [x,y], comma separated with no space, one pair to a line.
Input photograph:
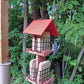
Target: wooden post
[4,31]
[4,60]
[38,60]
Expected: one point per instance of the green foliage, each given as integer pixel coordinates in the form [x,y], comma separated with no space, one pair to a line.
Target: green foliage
[70,26]
[66,58]
[52,73]
[16,18]
[73,62]
[18,80]
[75,81]
[80,69]
[15,38]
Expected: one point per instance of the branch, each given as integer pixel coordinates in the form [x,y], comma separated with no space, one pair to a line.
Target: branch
[75,69]
[66,62]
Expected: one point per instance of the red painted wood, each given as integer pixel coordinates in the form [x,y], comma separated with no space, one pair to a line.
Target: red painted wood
[27,78]
[38,27]
[47,81]
[43,53]
[38,60]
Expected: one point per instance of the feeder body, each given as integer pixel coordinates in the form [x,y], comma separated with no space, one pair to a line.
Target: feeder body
[41,43]
[41,30]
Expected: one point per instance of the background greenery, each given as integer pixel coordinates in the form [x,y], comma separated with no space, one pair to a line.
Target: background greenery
[70,26]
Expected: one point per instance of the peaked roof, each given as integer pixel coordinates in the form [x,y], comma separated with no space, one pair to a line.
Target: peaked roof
[38,27]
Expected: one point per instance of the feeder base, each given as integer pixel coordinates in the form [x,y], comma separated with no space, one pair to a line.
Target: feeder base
[49,81]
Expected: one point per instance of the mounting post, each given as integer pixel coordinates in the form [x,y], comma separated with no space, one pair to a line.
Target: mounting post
[4,59]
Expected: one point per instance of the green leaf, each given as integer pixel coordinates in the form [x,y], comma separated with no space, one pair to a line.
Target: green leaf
[82,8]
[67,36]
[72,40]
[70,6]
[66,58]
[61,10]
[81,32]
[75,2]
[73,62]
[62,32]
[66,81]
[80,69]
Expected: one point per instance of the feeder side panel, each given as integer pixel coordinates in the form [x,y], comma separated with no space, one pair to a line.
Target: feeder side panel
[43,42]
[32,69]
[38,44]
[43,71]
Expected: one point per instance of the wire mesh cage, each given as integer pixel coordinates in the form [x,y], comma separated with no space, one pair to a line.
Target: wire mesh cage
[39,76]
[41,43]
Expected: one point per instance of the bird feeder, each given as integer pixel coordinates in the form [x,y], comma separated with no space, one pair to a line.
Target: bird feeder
[41,31]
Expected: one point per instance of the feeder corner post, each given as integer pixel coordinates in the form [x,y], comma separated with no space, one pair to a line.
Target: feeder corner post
[4,58]
[38,60]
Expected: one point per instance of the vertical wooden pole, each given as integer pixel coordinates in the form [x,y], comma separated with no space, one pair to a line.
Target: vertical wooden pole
[38,60]
[4,31]
[4,60]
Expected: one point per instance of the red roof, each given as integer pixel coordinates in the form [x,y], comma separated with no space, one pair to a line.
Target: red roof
[38,27]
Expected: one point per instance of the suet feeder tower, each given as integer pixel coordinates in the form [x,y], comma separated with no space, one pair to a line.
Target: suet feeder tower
[41,31]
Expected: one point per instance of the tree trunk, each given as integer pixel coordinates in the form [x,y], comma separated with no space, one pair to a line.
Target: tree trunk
[54,9]
[57,8]
[75,69]
[24,37]
[35,10]
[58,63]
[57,71]
[44,13]
[83,39]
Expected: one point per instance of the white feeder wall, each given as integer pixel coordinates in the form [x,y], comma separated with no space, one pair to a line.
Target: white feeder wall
[32,69]
[43,71]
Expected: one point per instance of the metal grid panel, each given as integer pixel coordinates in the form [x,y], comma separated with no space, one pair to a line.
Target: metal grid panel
[44,75]
[43,44]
